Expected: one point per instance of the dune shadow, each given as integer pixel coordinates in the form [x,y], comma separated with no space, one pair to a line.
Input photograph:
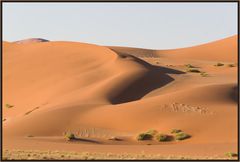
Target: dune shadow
[156,77]
[234,94]
[85,140]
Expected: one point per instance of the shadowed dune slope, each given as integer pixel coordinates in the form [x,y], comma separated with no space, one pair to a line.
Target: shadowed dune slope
[36,74]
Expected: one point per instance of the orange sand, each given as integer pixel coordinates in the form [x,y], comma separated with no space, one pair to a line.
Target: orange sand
[98,92]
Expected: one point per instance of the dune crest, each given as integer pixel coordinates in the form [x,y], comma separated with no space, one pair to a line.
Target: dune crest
[31,40]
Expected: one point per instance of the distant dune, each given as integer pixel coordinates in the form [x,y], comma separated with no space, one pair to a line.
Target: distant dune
[31,40]
[99,92]
[220,50]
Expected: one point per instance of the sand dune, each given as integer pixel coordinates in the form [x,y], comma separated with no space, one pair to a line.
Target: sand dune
[220,50]
[32,40]
[98,92]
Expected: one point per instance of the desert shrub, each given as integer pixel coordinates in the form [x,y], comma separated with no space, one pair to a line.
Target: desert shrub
[219,64]
[203,74]
[115,139]
[231,65]
[231,154]
[153,132]
[189,66]
[193,70]
[144,136]
[176,131]
[162,137]
[69,136]
[9,106]
[30,136]
[182,136]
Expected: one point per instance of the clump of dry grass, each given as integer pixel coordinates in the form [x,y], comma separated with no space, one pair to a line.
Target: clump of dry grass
[153,132]
[182,136]
[231,65]
[189,66]
[69,136]
[163,137]
[144,136]
[219,64]
[203,74]
[231,154]
[9,106]
[176,131]
[193,70]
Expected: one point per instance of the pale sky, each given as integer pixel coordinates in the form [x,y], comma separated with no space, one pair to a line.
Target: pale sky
[144,25]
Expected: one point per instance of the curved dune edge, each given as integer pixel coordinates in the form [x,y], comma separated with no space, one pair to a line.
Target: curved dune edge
[100,92]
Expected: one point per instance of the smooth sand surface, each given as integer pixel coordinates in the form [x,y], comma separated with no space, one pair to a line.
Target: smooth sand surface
[100,92]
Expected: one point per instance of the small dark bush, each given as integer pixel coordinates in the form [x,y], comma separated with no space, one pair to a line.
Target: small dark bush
[69,136]
[176,131]
[182,136]
[193,70]
[231,65]
[144,136]
[189,66]
[203,74]
[219,64]
[162,137]
[9,106]
[231,154]
[153,132]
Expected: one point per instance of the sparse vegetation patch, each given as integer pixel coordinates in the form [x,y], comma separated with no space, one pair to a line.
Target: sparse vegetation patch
[176,131]
[153,132]
[219,64]
[203,74]
[69,136]
[182,136]
[144,136]
[9,106]
[162,137]
[61,155]
[193,70]
[231,154]
[231,65]
[189,66]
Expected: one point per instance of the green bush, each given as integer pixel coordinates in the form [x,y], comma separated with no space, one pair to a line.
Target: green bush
[189,66]
[144,136]
[69,136]
[193,70]
[176,131]
[203,74]
[153,132]
[162,137]
[182,136]
[219,64]
[231,65]
[9,106]
[231,154]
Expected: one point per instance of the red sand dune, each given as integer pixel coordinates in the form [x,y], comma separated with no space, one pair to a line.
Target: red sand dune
[99,92]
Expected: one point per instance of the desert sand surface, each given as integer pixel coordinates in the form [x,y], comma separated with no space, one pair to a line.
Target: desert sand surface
[106,96]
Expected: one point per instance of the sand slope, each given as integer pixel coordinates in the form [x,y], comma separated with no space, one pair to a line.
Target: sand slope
[99,92]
